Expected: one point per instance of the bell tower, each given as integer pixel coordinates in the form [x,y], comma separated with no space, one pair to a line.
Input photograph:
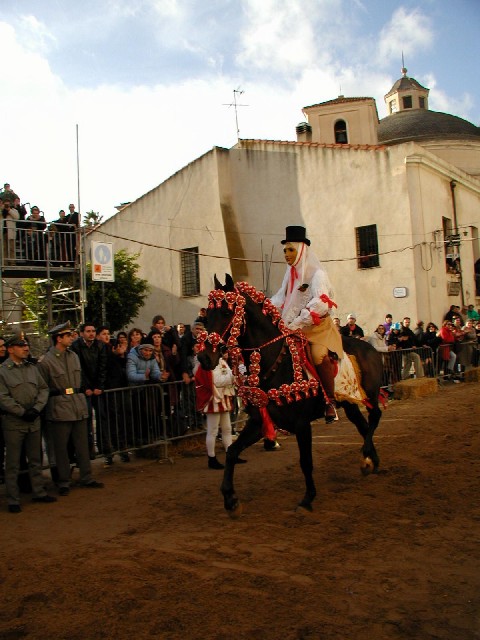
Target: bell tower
[406,94]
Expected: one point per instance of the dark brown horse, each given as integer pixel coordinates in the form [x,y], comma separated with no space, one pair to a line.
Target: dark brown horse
[269,361]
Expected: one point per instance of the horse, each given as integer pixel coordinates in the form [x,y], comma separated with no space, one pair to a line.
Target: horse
[269,361]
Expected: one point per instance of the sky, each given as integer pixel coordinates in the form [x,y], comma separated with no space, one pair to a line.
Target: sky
[105,99]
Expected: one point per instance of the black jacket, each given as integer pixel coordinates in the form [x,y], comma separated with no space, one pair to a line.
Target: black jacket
[93,361]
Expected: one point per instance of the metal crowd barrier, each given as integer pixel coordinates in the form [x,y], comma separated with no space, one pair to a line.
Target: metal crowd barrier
[136,417]
[402,364]
[466,354]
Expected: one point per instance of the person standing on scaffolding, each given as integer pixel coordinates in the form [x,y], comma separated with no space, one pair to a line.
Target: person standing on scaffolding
[305,302]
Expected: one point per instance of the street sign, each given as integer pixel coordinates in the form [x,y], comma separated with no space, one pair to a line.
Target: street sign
[102,262]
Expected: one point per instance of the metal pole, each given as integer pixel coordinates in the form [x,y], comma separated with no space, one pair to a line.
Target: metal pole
[48,287]
[453,184]
[78,180]
[83,274]
[81,243]
[104,314]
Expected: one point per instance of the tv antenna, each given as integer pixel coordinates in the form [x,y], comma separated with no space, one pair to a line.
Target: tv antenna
[235,104]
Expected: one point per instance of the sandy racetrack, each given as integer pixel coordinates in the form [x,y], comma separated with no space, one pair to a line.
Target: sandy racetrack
[154,555]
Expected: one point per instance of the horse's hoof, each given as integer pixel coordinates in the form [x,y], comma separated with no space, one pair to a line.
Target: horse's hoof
[236,512]
[367,467]
[304,506]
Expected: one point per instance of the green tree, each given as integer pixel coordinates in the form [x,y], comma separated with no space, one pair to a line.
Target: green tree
[92,219]
[65,301]
[123,298]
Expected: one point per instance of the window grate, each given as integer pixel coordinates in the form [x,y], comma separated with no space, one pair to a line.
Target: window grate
[367,247]
[189,267]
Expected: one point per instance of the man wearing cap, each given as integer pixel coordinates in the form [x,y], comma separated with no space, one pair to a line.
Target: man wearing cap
[67,410]
[351,329]
[305,302]
[23,395]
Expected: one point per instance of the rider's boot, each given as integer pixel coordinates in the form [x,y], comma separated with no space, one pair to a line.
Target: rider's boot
[326,373]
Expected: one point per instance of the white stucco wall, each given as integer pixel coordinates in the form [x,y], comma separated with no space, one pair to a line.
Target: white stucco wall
[183,212]
[236,204]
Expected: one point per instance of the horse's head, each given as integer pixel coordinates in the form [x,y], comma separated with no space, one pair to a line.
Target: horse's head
[220,314]
[241,318]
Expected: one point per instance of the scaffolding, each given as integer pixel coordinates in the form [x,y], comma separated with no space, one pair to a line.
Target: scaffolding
[56,260]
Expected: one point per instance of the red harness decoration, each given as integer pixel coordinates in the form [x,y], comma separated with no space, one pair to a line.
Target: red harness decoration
[248,385]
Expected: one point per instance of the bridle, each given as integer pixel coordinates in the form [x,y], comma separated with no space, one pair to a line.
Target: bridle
[248,384]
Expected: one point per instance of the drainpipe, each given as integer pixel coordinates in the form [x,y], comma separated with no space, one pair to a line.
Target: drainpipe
[453,184]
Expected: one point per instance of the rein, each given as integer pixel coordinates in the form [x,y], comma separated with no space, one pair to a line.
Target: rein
[248,384]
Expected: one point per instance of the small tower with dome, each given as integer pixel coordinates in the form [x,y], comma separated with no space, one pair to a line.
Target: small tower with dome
[405,94]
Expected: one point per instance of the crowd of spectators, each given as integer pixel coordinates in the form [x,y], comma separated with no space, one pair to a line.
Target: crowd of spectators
[164,354]
[27,238]
[429,350]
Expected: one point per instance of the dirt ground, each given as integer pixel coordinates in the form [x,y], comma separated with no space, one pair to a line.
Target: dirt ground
[154,555]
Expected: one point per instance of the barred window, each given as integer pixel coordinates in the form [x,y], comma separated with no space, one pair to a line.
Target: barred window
[341,132]
[190,272]
[367,247]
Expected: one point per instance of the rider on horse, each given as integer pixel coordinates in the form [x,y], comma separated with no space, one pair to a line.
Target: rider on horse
[304,300]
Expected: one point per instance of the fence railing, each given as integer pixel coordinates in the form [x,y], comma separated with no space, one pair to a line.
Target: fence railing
[137,417]
[21,246]
[445,360]
[140,416]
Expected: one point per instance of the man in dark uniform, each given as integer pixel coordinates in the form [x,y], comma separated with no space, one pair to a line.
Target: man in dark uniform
[23,394]
[67,410]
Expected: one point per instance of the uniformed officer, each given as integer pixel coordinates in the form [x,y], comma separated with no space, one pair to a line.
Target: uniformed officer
[66,411]
[23,394]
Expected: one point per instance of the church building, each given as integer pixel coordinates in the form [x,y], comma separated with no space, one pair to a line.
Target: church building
[391,206]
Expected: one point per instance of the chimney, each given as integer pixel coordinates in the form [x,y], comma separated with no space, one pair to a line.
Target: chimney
[304,132]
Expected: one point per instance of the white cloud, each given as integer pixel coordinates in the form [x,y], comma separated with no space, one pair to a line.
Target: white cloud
[440,101]
[278,36]
[407,31]
[168,8]
[292,54]
[35,35]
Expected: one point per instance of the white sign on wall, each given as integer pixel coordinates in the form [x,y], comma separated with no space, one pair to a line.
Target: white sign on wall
[102,262]
[400,292]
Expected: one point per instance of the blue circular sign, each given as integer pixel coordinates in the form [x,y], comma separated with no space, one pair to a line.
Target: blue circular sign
[103,254]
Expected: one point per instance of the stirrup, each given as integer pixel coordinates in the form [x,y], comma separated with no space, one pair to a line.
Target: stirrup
[330,413]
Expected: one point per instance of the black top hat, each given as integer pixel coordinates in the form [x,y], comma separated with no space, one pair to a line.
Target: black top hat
[296,234]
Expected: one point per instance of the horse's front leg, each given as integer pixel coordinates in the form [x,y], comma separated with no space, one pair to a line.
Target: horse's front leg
[369,451]
[304,440]
[250,434]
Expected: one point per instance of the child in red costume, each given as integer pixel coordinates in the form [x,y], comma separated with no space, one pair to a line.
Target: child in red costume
[214,392]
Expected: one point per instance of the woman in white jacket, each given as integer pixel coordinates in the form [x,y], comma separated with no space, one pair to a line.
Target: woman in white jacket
[377,340]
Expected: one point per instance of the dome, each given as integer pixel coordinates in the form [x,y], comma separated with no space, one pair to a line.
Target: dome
[406,84]
[422,124]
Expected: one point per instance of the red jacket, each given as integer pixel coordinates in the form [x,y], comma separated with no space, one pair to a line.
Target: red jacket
[209,398]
